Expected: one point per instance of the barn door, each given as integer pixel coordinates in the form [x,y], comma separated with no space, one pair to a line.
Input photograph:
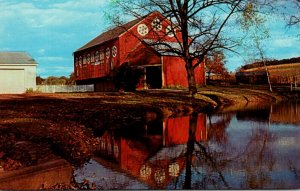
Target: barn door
[153,77]
[12,81]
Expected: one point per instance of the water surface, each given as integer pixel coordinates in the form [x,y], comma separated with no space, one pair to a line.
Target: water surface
[250,149]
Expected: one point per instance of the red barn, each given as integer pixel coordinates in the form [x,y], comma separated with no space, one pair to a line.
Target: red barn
[130,43]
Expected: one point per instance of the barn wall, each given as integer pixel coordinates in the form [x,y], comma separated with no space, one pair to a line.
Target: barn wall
[174,73]
[94,69]
[200,75]
[100,84]
[28,79]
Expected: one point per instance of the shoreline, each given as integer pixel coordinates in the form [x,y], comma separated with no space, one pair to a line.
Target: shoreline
[67,126]
[162,103]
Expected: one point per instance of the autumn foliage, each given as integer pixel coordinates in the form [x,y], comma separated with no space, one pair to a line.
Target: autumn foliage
[215,65]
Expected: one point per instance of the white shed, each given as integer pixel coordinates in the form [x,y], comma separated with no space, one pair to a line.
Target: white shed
[17,72]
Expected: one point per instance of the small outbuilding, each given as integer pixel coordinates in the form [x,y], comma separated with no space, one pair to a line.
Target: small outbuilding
[17,72]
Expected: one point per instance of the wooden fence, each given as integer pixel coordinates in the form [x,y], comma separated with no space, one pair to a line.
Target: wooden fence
[64,88]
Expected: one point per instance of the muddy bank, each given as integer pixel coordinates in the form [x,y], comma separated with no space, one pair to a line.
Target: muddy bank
[240,97]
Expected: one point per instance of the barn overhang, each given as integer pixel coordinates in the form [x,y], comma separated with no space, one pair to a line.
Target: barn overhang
[144,55]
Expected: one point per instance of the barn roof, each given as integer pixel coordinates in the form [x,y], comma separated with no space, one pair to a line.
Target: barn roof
[165,48]
[16,58]
[111,34]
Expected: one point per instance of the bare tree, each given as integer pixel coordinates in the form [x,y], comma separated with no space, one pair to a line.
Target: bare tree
[294,18]
[254,24]
[288,10]
[198,26]
[262,57]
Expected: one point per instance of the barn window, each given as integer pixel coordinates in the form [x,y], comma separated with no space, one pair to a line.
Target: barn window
[80,60]
[107,53]
[101,57]
[88,59]
[142,29]
[116,151]
[170,31]
[174,169]
[145,171]
[112,64]
[92,58]
[97,56]
[76,62]
[114,51]
[84,60]
[159,176]
[156,24]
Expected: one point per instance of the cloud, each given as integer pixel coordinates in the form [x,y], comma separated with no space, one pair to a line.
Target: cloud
[284,42]
[5,49]
[81,5]
[60,14]
[52,59]
[41,51]
[54,71]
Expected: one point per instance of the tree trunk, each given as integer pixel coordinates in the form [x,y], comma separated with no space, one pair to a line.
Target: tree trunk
[268,76]
[264,62]
[191,78]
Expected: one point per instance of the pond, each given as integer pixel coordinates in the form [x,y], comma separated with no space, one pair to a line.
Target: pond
[255,148]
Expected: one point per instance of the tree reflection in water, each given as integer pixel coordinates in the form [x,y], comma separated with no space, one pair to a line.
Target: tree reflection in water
[258,160]
[204,156]
[190,151]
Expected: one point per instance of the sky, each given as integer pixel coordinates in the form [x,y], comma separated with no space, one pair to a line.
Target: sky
[51,30]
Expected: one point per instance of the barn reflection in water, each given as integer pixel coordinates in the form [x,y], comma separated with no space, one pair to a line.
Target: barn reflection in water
[155,156]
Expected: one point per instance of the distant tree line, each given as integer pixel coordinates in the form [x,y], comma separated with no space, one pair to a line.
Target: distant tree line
[271,63]
[53,80]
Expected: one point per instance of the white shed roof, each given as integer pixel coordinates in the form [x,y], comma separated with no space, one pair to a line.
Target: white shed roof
[16,58]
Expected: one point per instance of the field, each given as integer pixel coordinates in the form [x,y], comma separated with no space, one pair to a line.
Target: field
[281,74]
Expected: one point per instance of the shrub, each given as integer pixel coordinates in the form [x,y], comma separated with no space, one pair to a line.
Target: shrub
[126,77]
[30,90]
